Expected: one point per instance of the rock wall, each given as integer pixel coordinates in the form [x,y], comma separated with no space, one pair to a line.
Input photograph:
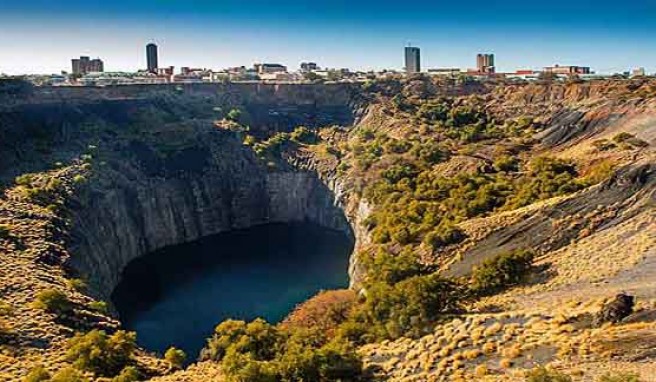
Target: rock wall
[135,214]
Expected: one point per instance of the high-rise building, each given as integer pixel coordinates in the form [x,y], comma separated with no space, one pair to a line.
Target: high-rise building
[485,63]
[84,65]
[412,59]
[96,66]
[151,57]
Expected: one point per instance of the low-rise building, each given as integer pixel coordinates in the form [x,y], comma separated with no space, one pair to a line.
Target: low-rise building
[567,70]
[309,67]
[280,76]
[121,78]
[269,68]
[523,74]
[447,72]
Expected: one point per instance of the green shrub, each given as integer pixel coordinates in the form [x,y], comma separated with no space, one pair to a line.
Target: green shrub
[37,374]
[395,146]
[128,374]
[256,337]
[99,306]
[79,285]
[599,172]
[175,357]
[395,173]
[240,367]
[303,360]
[302,134]
[444,234]
[407,308]
[620,377]
[604,145]
[249,140]
[68,374]
[53,301]
[430,153]
[506,163]
[25,179]
[79,179]
[501,271]
[434,112]
[273,147]
[388,268]
[546,178]
[257,351]
[234,115]
[542,374]
[100,353]
[623,137]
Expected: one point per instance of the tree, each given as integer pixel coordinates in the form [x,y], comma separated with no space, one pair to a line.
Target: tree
[259,352]
[409,307]
[257,338]
[325,311]
[53,301]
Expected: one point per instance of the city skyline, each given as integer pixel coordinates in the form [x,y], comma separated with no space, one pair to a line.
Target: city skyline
[204,34]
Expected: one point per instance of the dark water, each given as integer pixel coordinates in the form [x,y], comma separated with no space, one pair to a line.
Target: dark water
[175,297]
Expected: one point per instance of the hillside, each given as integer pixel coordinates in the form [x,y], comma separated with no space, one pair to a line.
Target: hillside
[437,183]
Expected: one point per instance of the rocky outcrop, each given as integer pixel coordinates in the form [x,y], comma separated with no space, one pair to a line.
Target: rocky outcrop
[616,310]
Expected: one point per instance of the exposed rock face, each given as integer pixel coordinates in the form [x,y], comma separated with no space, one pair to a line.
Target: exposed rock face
[138,218]
[138,213]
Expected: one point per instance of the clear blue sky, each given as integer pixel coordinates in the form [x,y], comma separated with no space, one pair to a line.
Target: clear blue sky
[41,36]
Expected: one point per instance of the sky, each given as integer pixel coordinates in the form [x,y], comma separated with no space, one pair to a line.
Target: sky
[41,36]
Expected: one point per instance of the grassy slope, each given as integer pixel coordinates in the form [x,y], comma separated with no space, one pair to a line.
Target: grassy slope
[594,243]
